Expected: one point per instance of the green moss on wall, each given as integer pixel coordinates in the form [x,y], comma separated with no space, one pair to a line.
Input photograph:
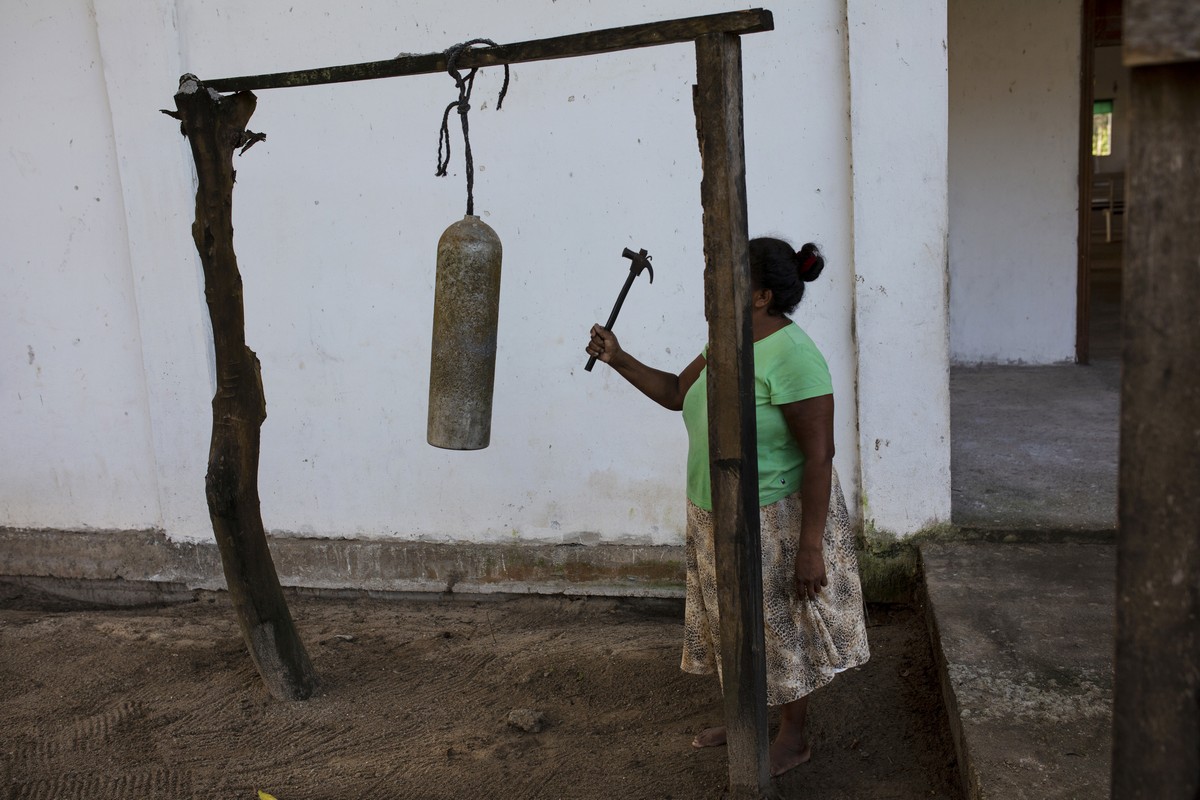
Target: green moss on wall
[889,567]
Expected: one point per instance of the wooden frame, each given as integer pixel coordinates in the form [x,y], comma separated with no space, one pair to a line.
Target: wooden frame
[1083,280]
[215,125]
[611,40]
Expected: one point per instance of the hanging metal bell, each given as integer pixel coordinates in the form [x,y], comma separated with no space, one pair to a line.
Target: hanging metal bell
[466,311]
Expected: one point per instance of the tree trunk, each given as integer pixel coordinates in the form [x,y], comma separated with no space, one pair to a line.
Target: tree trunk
[215,126]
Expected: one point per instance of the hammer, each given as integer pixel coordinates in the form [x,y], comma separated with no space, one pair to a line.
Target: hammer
[641,261]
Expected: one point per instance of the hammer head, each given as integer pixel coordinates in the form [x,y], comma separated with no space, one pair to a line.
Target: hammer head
[641,261]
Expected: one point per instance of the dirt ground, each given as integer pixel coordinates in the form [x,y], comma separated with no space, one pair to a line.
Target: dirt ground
[164,703]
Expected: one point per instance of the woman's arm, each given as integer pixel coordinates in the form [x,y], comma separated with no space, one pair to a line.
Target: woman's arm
[662,387]
[811,422]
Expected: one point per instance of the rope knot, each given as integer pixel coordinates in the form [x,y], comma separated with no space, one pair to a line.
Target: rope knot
[463,104]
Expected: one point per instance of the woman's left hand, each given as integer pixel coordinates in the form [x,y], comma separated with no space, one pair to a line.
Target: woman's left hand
[810,573]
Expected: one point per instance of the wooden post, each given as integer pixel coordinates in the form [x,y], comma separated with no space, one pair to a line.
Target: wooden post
[732,435]
[1156,707]
[215,126]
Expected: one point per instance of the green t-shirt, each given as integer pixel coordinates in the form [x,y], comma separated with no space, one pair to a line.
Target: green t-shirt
[788,368]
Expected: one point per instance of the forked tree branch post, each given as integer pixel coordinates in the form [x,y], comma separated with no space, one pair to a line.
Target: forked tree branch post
[215,126]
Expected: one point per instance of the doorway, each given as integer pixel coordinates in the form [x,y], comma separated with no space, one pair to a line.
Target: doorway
[1104,148]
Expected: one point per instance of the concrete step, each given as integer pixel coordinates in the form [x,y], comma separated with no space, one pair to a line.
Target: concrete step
[1024,637]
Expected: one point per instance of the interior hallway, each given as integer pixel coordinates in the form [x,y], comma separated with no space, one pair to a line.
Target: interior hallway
[1035,447]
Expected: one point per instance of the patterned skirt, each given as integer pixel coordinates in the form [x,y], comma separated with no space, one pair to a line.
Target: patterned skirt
[807,641]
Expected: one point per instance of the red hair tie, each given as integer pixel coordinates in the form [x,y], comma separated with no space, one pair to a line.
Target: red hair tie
[807,265]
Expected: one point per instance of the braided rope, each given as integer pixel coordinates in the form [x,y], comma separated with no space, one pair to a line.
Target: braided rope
[463,104]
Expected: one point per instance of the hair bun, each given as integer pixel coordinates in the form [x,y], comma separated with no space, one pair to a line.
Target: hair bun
[809,263]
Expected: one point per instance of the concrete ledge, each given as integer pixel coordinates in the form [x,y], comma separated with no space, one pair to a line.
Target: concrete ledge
[889,574]
[1027,535]
[364,565]
[70,593]
[1023,634]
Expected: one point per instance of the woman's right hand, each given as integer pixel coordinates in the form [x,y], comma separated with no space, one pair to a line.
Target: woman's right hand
[603,345]
[664,388]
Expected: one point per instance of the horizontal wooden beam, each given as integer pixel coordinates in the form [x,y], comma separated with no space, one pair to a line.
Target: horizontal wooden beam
[579,44]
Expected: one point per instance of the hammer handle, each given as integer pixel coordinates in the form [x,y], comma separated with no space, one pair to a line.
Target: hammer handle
[612,318]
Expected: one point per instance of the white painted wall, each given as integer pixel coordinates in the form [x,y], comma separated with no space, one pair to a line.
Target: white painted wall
[898,124]
[1014,137]
[73,402]
[337,216]
[139,43]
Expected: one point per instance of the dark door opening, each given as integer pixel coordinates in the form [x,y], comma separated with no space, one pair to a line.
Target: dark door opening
[1103,152]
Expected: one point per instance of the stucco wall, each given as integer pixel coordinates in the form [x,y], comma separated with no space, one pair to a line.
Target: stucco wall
[1014,137]
[337,216]
[898,106]
[73,400]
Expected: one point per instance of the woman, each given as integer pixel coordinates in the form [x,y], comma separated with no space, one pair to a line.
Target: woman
[812,599]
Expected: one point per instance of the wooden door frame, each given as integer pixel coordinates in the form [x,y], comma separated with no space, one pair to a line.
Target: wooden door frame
[1087,70]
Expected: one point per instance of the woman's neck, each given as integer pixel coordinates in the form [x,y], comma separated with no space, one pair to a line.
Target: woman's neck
[764,324]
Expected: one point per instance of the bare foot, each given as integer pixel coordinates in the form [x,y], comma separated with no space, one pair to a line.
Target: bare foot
[710,737]
[787,753]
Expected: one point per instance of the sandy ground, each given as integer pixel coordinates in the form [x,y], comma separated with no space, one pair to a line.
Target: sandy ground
[164,703]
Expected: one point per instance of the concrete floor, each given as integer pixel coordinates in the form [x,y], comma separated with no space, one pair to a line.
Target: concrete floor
[1035,448]
[1021,610]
